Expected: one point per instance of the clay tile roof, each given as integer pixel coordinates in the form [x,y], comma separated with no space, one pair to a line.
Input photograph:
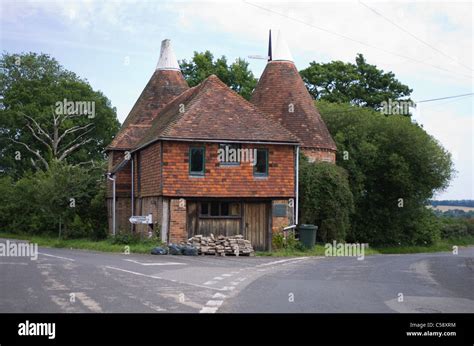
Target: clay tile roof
[281,85]
[163,86]
[212,111]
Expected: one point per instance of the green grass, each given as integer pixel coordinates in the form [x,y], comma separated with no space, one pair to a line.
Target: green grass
[318,250]
[145,246]
[106,245]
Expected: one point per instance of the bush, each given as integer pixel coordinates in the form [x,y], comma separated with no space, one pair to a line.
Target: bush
[290,243]
[325,199]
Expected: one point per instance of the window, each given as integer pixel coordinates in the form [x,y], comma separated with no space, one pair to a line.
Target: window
[228,154]
[196,161]
[219,209]
[261,167]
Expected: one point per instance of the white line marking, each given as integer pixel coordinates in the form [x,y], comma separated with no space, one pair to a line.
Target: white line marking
[282,261]
[160,278]
[234,283]
[64,258]
[227,275]
[214,303]
[219,296]
[241,279]
[218,278]
[210,282]
[227,288]
[155,263]
[208,310]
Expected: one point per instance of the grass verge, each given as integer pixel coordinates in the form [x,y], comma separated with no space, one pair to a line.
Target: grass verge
[106,245]
[319,250]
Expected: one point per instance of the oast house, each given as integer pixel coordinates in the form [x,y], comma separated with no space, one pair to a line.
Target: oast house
[204,160]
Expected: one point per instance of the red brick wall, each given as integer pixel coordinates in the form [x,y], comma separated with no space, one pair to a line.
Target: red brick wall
[230,181]
[319,155]
[177,231]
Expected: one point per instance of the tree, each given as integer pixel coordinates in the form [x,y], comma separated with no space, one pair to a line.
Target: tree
[66,196]
[325,199]
[359,84]
[394,168]
[37,124]
[236,75]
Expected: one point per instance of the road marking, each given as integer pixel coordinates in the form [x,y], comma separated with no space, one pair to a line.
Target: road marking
[20,263]
[227,275]
[282,261]
[214,303]
[64,258]
[208,310]
[218,278]
[210,282]
[155,263]
[219,296]
[234,283]
[160,278]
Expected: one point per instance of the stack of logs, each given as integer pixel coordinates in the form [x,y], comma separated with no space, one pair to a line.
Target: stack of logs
[221,245]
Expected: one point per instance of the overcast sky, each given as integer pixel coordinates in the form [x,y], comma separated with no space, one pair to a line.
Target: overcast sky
[115,46]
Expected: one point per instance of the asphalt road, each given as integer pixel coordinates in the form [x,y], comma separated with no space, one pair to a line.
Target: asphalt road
[62,280]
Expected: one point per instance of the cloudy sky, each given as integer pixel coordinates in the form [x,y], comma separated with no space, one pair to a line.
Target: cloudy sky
[115,46]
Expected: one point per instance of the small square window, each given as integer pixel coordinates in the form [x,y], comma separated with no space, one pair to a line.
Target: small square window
[204,208]
[214,208]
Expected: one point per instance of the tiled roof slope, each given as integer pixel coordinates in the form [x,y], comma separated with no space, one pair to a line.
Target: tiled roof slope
[212,111]
[280,86]
[163,86]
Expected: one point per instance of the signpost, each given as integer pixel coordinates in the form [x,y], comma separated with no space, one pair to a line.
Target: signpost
[148,219]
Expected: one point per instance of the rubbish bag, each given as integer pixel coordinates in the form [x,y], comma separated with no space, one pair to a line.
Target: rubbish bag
[159,251]
[190,250]
[175,249]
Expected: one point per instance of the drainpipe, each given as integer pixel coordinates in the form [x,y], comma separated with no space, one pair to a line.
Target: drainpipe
[133,198]
[297,167]
[109,175]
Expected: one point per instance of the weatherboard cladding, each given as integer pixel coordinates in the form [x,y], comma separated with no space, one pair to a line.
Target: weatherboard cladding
[280,91]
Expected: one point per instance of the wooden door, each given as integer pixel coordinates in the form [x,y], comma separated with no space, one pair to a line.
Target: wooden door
[256,224]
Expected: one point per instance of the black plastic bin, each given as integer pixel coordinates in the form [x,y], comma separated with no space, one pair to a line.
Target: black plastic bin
[307,235]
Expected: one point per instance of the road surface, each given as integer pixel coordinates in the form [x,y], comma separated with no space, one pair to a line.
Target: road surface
[63,280]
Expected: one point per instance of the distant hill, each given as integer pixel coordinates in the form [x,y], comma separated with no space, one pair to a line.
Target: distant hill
[458,203]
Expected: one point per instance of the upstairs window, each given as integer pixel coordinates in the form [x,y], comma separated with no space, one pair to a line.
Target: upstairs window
[228,154]
[261,167]
[196,160]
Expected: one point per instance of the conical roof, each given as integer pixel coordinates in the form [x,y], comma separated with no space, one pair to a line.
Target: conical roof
[282,94]
[166,83]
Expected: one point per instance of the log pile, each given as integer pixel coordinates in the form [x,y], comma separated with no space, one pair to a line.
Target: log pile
[221,246]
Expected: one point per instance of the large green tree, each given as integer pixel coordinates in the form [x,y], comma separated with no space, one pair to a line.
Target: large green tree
[359,84]
[32,130]
[236,75]
[394,168]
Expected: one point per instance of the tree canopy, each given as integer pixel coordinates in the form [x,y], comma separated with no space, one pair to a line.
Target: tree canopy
[32,133]
[236,75]
[359,84]
[394,168]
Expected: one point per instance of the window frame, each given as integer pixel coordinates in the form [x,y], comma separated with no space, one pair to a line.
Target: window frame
[267,156]
[209,216]
[229,164]
[196,173]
